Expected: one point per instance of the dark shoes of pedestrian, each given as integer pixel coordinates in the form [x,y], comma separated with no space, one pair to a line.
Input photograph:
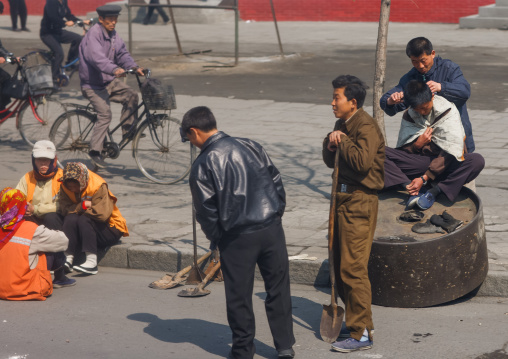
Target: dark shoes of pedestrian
[286,353]
[446,221]
[25,29]
[97,159]
[426,227]
[68,268]
[16,30]
[411,216]
[351,345]
[64,282]
[86,270]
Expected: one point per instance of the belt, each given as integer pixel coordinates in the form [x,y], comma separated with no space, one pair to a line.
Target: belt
[349,188]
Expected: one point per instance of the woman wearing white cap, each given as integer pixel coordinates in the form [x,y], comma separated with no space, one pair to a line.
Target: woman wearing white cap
[41,187]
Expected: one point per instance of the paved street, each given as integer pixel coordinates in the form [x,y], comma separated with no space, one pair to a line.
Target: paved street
[115,315]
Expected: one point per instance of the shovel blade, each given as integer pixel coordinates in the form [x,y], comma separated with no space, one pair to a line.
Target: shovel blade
[167,282]
[331,322]
[193,292]
[195,276]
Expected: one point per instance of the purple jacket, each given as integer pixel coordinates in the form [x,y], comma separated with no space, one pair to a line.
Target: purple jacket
[100,54]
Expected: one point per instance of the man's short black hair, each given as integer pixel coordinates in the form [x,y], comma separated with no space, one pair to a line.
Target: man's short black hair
[354,88]
[417,93]
[419,46]
[201,118]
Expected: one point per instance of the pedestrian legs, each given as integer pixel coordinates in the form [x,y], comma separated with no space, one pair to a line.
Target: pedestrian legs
[120,92]
[100,102]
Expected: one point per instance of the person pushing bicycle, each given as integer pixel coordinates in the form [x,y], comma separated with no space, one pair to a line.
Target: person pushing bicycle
[103,59]
[53,35]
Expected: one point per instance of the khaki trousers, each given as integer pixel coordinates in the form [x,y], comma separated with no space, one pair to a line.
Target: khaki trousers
[116,91]
[355,225]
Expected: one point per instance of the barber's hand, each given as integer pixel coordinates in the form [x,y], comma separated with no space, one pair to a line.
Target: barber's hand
[140,72]
[29,209]
[334,140]
[119,72]
[69,23]
[395,98]
[424,138]
[2,60]
[434,86]
[414,187]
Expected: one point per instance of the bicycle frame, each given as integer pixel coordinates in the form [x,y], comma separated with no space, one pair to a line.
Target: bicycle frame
[18,104]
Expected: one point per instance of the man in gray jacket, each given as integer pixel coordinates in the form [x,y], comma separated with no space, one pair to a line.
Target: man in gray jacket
[239,200]
[103,59]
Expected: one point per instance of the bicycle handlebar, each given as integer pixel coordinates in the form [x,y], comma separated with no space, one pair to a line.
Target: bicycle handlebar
[11,59]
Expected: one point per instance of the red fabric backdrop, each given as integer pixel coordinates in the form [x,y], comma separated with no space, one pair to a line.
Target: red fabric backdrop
[446,11]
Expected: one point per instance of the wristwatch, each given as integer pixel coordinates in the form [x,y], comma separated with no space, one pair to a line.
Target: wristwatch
[423,179]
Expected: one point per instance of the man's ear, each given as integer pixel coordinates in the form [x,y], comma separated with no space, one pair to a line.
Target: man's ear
[354,103]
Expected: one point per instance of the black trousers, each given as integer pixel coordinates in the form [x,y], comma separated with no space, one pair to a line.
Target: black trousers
[86,234]
[4,99]
[54,42]
[401,167]
[160,10]
[239,256]
[18,7]
[52,221]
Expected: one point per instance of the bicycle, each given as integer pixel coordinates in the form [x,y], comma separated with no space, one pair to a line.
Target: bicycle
[160,154]
[36,111]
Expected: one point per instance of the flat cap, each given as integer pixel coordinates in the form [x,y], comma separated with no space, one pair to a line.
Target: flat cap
[108,10]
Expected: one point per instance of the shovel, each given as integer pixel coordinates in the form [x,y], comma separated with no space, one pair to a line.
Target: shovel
[199,291]
[170,281]
[211,265]
[331,319]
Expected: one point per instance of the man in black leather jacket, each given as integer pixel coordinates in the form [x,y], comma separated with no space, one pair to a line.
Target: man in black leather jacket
[239,200]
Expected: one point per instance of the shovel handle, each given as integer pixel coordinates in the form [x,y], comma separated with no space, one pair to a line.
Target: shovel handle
[188,268]
[209,275]
[331,227]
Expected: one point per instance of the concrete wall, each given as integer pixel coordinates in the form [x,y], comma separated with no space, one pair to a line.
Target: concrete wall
[448,11]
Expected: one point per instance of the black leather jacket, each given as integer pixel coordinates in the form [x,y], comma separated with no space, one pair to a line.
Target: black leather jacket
[3,50]
[235,187]
[53,19]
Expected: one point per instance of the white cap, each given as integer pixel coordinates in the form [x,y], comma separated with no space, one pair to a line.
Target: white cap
[44,149]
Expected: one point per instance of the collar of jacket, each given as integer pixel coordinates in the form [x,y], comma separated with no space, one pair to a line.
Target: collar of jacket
[349,123]
[213,138]
[106,34]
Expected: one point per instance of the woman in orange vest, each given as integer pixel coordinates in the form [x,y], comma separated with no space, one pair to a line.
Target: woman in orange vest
[41,186]
[25,251]
[92,219]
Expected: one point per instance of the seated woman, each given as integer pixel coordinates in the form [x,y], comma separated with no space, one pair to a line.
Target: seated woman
[28,252]
[92,219]
[41,186]
[430,148]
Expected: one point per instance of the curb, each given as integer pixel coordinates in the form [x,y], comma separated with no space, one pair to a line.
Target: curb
[316,273]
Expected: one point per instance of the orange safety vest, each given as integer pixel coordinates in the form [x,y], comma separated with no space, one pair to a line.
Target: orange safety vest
[17,280]
[31,182]
[94,183]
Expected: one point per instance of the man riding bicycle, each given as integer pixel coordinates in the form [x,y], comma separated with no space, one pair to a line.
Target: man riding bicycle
[103,59]
[53,35]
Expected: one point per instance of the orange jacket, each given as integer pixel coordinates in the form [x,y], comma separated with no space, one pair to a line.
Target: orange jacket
[17,280]
[94,183]
[31,182]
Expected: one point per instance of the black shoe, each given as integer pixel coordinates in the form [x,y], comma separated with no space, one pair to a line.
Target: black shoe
[286,353]
[411,216]
[446,221]
[25,29]
[68,268]
[426,227]
[16,30]
[87,270]
[97,159]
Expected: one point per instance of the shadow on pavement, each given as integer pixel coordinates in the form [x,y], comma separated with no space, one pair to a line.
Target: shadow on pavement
[212,337]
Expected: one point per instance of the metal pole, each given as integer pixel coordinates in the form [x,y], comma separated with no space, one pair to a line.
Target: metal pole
[276,29]
[175,31]
[130,25]
[236,32]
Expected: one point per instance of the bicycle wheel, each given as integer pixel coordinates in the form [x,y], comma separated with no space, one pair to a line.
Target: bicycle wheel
[35,126]
[160,154]
[71,135]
